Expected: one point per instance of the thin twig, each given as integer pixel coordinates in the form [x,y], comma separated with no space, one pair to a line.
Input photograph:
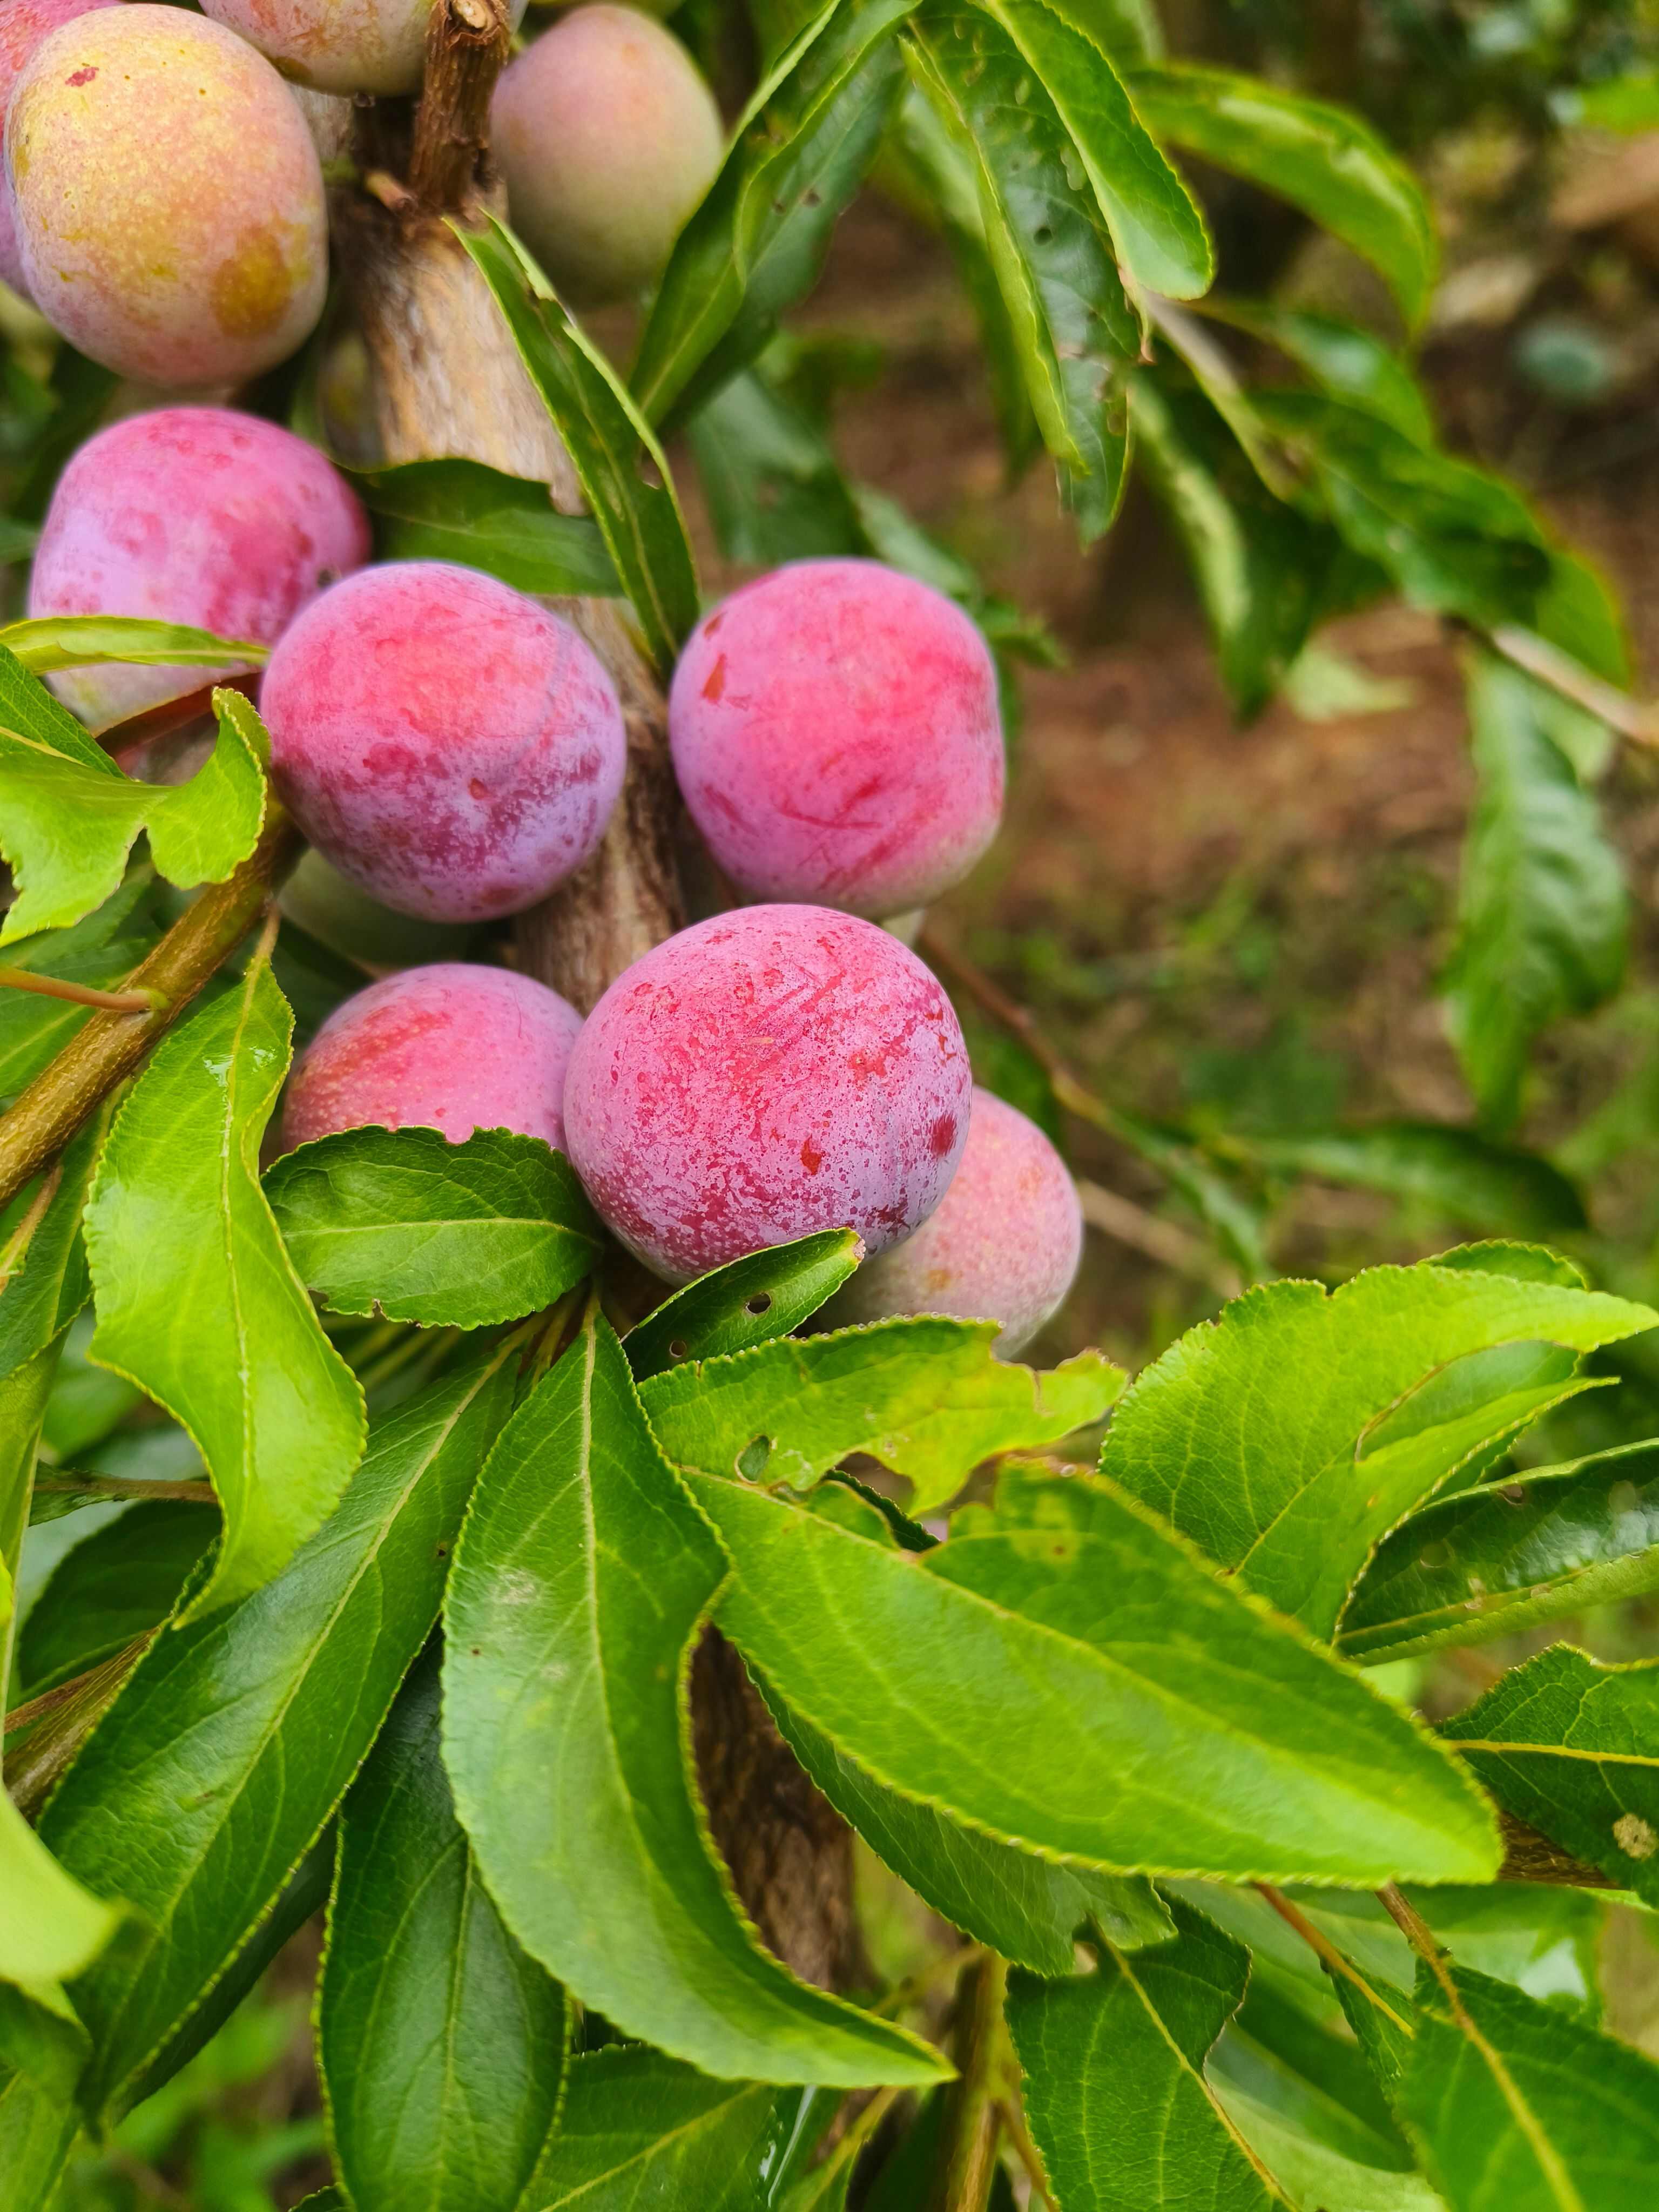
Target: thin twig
[857,2133]
[1014,2127]
[79,994]
[1166,1241]
[1327,1952]
[15,1249]
[106,1049]
[949,1966]
[467,48]
[972,2122]
[113,1486]
[1574,682]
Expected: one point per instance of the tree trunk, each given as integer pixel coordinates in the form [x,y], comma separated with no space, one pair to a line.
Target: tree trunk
[446,380]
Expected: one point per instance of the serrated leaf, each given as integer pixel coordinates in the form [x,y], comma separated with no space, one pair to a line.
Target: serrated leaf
[1571,1748]
[197,1303]
[1114,2088]
[1543,908]
[44,1285]
[101,951]
[1282,1439]
[48,642]
[639,2130]
[581,1582]
[1541,1544]
[460,510]
[1162,242]
[1289,2049]
[1313,2176]
[441,2045]
[1147,1717]
[402,1222]
[1324,160]
[1028,1909]
[51,1926]
[1517,2105]
[1073,329]
[1461,1175]
[758,241]
[235,1737]
[624,473]
[51,772]
[925,1396]
[1264,569]
[123,1579]
[746,1303]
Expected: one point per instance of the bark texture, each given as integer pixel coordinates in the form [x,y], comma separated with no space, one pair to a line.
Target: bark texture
[446,380]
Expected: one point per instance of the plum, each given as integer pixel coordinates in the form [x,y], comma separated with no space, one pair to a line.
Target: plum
[765,1074]
[339,45]
[1002,1245]
[190,515]
[607,137]
[452,747]
[447,1047]
[836,735]
[335,912]
[167,198]
[23,24]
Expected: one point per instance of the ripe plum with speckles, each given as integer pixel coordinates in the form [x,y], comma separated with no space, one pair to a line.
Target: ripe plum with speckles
[449,1047]
[167,198]
[190,515]
[453,748]
[1003,1244]
[765,1074]
[23,24]
[836,735]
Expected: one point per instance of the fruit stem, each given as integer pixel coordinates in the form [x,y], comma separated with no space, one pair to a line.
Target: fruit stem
[973,2125]
[79,994]
[43,1117]
[466,47]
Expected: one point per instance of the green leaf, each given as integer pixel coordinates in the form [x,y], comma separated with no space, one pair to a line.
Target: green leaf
[1571,1748]
[102,951]
[1284,1439]
[51,1926]
[1541,1545]
[1146,1717]
[746,1303]
[55,642]
[442,2046]
[1075,333]
[622,469]
[509,526]
[197,1303]
[46,1284]
[758,241]
[639,2131]
[1619,103]
[1160,235]
[579,1587]
[1263,568]
[1461,1175]
[1313,2176]
[52,772]
[37,2131]
[924,1395]
[1027,1908]
[235,1737]
[775,492]
[1543,908]
[1322,159]
[402,1222]
[1518,2106]
[123,1579]
[1340,358]
[1115,2087]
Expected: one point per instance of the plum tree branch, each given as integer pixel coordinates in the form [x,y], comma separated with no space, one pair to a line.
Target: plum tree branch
[43,1118]
[466,47]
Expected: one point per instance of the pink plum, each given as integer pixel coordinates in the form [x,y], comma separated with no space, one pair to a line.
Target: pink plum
[836,735]
[449,1047]
[1002,1245]
[168,199]
[765,1074]
[190,514]
[607,137]
[23,24]
[339,45]
[452,747]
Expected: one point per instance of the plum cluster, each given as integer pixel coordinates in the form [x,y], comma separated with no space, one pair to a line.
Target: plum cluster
[163,203]
[453,751]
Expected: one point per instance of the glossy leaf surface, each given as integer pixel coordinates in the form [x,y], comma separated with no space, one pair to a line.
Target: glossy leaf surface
[459,510]
[749,1301]
[639,2131]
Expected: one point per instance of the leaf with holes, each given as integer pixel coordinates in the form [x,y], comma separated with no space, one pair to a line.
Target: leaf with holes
[924,1395]
[402,1222]
[1288,1438]
[746,1303]
[52,772]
